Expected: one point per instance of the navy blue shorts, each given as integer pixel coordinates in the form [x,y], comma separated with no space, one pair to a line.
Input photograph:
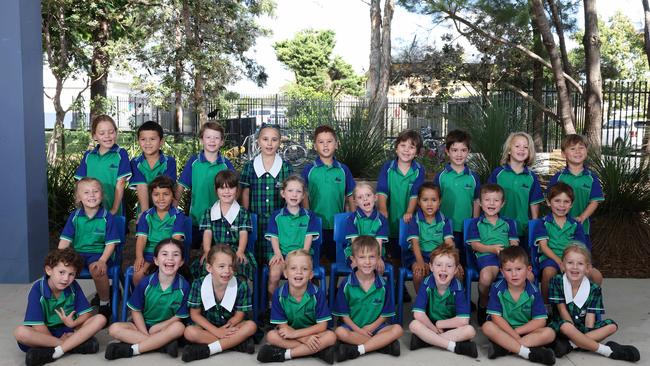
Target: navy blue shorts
[57,332]
[410,258]
[487,260]
[90,258]
[380,327]
[148,257]
[548,262]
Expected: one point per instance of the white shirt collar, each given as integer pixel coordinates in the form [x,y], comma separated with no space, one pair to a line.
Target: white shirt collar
[259,166]
[207,294]
[581,295]
[231,215]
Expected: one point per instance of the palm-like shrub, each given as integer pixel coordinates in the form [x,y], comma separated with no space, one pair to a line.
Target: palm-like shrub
[60,194]
[361,147]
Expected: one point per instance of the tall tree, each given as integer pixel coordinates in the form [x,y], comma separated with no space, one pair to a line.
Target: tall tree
[380,60]
[594,87]
[646,39]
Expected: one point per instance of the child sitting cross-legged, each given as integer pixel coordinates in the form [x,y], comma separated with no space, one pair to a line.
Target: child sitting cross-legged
[441,310]
[58,318]
[578,300]
[300,311]
[365,302]
[517,316]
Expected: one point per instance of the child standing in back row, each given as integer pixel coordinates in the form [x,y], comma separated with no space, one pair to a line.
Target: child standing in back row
[523,193]
[398,184]
[107,162]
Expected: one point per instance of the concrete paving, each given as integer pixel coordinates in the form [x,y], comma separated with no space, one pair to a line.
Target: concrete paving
[626,300]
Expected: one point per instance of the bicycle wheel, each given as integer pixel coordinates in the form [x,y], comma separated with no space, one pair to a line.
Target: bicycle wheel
[295,154]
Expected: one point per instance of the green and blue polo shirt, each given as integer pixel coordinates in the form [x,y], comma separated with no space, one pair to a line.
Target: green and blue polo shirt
[459,191]
[219,313]
[529,306]
[90,234]
[364,307]
[108,168]
[41,304]
[432,235]
[158,305]
[198,175]
[328,186]
[558,237]
[357,224]
[156,229]
[291,230]
[522,190]
[144,174]
[481,230]
[311,309]
[399,189]
[452,303]
[586,188]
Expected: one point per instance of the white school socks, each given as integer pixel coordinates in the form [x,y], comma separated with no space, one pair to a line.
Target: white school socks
[361,349]
[451,346]
[58,352]
[604,350]
[287,354]
[136,349]
[573,345]
[524,352]
[215,347]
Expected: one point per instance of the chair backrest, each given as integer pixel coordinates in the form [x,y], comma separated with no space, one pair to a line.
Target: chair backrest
[316,244]
[403,243]
[187,240]
[533,226]
[120,223]
[470,258]
[339,236]
[252,236]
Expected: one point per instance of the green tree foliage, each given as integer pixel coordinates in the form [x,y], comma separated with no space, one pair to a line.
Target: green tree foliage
[621,49]
[318,73]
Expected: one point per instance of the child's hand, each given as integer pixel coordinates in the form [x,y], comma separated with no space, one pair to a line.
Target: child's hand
[420,269]
[114,212]
[381,266]
[313,342]
[407,217]
[436,329]
[367,330]
[287,332]
[579,218]
[496,248]
[276,259]
[203,257]
[98,267]
[241,257]
[138,264]
[68,320]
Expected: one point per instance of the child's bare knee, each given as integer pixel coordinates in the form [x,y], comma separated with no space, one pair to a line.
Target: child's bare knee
[191,333]
[341,332]
[414,325]
[396,330]
[273,337]
[21,333]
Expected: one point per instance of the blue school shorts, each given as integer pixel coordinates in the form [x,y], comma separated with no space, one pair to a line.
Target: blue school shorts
[548,262]
[487,260]
[410,258]
[57,332]
[90,258]
[380,327]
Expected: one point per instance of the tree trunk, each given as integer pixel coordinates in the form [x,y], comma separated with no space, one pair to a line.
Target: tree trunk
[178,81]
[594,92]
[559,28]
[99,70]
[646,44]
[564,101]
[379,100]
[538,91]
[375,49]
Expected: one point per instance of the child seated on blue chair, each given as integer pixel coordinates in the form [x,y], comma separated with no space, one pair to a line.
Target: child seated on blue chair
[488,235]
[365,304]
[92,233]
[441,310]
[366,220]
[156,223]
[290,228]
[428,230]
[557,231]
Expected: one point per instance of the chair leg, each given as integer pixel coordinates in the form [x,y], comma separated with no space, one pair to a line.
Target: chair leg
[332,293]
[115,301]
[263,295]
[400,295]
[126,291]
[255,295]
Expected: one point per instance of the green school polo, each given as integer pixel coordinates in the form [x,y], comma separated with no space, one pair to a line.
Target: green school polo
[105,169]
[441,307]
[399,193]
[159,229]
[517,187]
[431,235]
[327,192]
[365,306]
[149,173]
[366,226]
[516,313]
[457,195]
[493,234]
[157,307]
[203,193]
[558,237]
[581,185]
[90,234]
[292,230]
[49,305]
[300,314]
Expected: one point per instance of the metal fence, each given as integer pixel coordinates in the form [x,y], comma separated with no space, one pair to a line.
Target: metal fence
[624,101]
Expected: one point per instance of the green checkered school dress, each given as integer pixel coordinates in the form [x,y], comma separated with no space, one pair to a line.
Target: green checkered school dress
[217,315]
[225,233]
[264,198]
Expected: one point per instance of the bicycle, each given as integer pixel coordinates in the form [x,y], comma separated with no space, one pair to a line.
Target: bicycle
[433,147]
[290,151]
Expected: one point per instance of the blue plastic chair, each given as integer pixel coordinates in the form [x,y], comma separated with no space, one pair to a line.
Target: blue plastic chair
[471,266]
[115,270]
[319,271]
[340,267]
[534,249]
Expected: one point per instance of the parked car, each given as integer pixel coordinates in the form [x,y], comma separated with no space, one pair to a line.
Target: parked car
[618,132]
[277,118]
[261,115]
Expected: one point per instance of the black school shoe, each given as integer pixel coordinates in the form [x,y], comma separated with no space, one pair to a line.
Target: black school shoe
[193,352]
[466,348]
[392,349]
[417,343]
[496,351]
[105,310]
[118,350]
[326,354]
[541,355]
[90,346]
[270,353]
[347,352]
[39,356]
[247,346]
[170,348]
[481,315]
[561,346]
[623,352]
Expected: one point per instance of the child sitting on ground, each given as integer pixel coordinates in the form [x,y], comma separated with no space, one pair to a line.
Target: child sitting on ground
[578,301]
[441,311]
[58,318]
[300,311]
[364,302]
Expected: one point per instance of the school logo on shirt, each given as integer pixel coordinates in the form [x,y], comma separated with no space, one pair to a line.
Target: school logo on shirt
[468,186]
[586,186]
[113,166]
[99,231]
[302,224]
[377,302]
[524,185]
[338,180]
[526,308]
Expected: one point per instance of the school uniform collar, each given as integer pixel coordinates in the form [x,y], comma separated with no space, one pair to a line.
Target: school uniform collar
[101,212]
[161,157]
[173,211]
[550,219]
[258,165]
[154,280]
[450,169]
[509,168]
[438,217]
[394,164]
[230,216]
[318,162]
[362,215]
[46,291]
[311,290]
[209,300]
[581,295]
[203,159]
[354,280]
[114,148]
[454,285]
[502,285]
[585,170]
[482,219]
[285,212]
